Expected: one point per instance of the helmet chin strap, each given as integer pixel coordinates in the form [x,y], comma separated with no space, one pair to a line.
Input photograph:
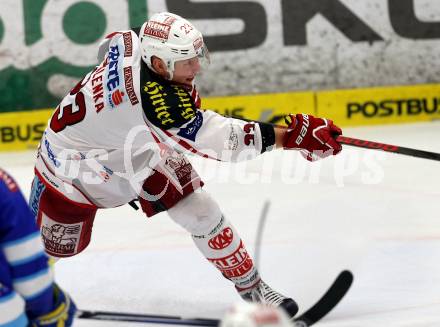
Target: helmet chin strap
[170,71]
[170,75]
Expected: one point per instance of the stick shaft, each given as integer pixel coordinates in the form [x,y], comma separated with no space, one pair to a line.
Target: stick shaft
[388,148]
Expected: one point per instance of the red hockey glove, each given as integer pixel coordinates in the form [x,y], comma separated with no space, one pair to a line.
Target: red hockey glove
[316,137]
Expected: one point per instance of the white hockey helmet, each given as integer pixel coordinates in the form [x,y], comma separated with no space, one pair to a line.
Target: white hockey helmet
[246,314]
[171,38]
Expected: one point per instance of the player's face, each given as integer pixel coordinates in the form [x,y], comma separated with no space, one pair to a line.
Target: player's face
[186,70]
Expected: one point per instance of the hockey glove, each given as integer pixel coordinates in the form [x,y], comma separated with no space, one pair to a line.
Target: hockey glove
[62,314]
[315,137]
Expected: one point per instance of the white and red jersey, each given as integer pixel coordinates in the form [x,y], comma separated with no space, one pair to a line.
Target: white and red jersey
[115,125]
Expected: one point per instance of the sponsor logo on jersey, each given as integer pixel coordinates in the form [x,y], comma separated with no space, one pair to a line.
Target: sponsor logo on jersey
[105,173]
[222,240]
[115,96]
[190,130]
[156,95]
[157,30]
[179,166]
[8,181]
[52,157]
[186,103]
[113,74]
[60,238]
[166,105]
[128,44]
[128,77]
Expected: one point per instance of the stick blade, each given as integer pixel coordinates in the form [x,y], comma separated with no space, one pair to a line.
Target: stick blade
[328,301]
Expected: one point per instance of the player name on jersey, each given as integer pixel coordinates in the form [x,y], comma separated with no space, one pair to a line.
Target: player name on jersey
[98,92]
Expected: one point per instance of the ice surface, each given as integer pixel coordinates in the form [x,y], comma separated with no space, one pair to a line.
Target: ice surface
[374,213]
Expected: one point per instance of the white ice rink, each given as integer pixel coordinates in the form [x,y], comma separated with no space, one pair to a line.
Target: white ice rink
[376,214]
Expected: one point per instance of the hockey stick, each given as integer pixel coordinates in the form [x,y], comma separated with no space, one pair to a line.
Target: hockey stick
[370,144]
[325,304]
[259,234]
[145,318]
[328,301]
[388,148]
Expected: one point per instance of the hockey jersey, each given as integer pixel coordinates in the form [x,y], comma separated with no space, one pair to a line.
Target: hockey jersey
[110,131]
[25,279]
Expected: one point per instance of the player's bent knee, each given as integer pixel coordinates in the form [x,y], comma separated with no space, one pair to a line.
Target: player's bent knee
[198,213]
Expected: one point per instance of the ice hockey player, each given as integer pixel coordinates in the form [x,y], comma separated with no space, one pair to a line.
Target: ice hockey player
[28,294]
[123,132]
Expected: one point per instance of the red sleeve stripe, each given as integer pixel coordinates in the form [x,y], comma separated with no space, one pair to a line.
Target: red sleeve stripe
[187,146]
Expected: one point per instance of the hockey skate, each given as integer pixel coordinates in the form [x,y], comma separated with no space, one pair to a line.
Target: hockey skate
[262,293]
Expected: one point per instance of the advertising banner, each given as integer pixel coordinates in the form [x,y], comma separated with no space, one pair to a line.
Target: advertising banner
[258,46]
[348,108]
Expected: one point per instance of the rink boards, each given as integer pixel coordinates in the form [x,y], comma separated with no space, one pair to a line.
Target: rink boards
[355,107]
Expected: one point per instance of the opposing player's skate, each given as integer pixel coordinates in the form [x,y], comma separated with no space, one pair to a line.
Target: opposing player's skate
[262,293]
